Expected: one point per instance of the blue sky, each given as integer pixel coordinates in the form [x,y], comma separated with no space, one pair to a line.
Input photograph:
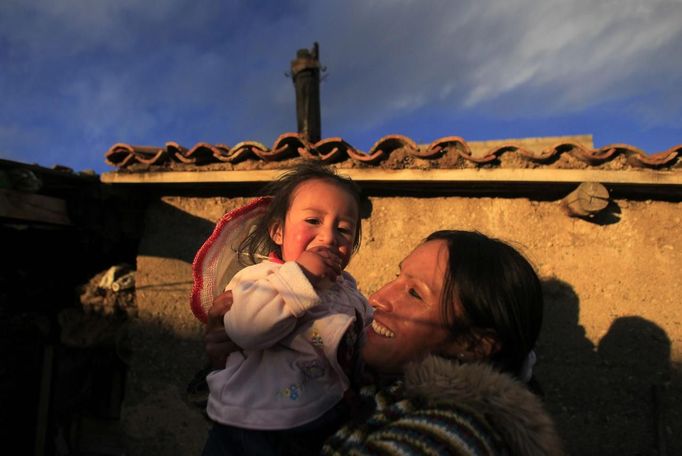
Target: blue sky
[78,76]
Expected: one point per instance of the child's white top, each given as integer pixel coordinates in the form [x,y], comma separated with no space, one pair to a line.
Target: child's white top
[288,373]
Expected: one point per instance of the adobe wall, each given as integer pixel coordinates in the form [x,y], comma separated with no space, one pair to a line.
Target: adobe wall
[613,326]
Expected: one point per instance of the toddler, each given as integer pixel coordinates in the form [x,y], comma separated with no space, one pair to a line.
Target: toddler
[297,315]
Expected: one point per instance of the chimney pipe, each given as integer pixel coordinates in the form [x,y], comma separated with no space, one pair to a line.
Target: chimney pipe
[305,72]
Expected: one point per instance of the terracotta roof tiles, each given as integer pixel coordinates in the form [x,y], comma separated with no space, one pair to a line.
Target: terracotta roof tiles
[393,151]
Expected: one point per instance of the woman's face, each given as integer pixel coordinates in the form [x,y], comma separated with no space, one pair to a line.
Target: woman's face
[408,318]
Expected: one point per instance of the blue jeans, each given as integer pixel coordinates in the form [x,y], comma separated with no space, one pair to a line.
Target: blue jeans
[229,440]
[224,440]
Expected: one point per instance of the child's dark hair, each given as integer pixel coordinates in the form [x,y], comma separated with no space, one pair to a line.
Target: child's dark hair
[498,289]
[259,242]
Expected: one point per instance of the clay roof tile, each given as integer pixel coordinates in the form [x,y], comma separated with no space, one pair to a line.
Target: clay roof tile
[446,152]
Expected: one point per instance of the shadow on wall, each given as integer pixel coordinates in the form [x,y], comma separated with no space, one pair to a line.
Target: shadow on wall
[188,232]
[613,398]
[87,413]
[179,241]
[609,216]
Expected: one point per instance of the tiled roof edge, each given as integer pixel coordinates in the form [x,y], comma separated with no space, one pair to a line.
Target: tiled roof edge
[333,150]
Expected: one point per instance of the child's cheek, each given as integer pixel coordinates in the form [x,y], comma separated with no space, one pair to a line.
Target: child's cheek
[295,242]
[302,238]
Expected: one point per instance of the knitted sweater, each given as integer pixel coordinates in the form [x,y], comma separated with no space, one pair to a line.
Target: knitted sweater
[444,408]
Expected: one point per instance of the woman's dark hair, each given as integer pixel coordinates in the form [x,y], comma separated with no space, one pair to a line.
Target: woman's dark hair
[498,289]
[259,242]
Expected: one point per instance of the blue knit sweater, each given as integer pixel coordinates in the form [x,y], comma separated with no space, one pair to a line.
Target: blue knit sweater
[442,408]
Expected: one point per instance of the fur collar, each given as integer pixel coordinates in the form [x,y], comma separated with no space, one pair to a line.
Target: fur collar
[513,411]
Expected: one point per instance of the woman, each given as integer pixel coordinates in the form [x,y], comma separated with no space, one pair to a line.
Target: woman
[448,342]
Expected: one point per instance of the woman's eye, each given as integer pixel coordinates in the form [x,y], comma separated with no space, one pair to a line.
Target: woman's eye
[312,221]
[414,293]
[344,230]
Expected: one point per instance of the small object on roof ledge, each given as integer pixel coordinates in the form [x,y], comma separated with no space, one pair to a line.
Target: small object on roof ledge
[587,200]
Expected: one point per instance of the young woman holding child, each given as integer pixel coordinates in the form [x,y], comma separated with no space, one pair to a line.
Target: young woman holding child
[445,355]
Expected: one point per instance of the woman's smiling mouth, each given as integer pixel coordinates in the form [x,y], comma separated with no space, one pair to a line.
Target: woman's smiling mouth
[382,330]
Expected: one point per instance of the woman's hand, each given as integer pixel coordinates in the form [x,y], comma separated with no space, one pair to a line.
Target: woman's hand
[216,342]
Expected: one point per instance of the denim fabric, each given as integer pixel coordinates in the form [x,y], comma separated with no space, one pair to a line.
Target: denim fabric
[224,440]
[231,441]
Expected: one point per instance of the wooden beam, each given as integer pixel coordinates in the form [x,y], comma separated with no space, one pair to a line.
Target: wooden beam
[30,207]
[44,400]
[587,200]
[431,177]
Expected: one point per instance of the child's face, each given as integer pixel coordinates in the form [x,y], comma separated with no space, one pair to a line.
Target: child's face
[320,214]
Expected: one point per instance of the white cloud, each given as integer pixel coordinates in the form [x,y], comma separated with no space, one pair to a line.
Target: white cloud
[580,53]
[565,54]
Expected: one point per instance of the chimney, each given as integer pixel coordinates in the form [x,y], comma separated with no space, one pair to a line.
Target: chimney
[305,72]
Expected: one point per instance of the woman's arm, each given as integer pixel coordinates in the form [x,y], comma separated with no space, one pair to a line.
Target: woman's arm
[217,344]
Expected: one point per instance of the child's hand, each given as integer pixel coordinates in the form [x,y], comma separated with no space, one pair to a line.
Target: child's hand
[320,263]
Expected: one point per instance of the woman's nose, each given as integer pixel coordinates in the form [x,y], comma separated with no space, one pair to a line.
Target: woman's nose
[381,299]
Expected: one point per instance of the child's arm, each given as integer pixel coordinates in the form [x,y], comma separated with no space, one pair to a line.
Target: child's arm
[267,303]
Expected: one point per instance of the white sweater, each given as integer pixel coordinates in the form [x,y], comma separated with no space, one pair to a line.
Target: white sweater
[288,373]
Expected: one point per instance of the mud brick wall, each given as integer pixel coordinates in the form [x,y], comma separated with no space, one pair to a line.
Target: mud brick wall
[610,354]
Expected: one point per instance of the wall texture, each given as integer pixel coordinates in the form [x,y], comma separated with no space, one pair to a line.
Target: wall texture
[610,354]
